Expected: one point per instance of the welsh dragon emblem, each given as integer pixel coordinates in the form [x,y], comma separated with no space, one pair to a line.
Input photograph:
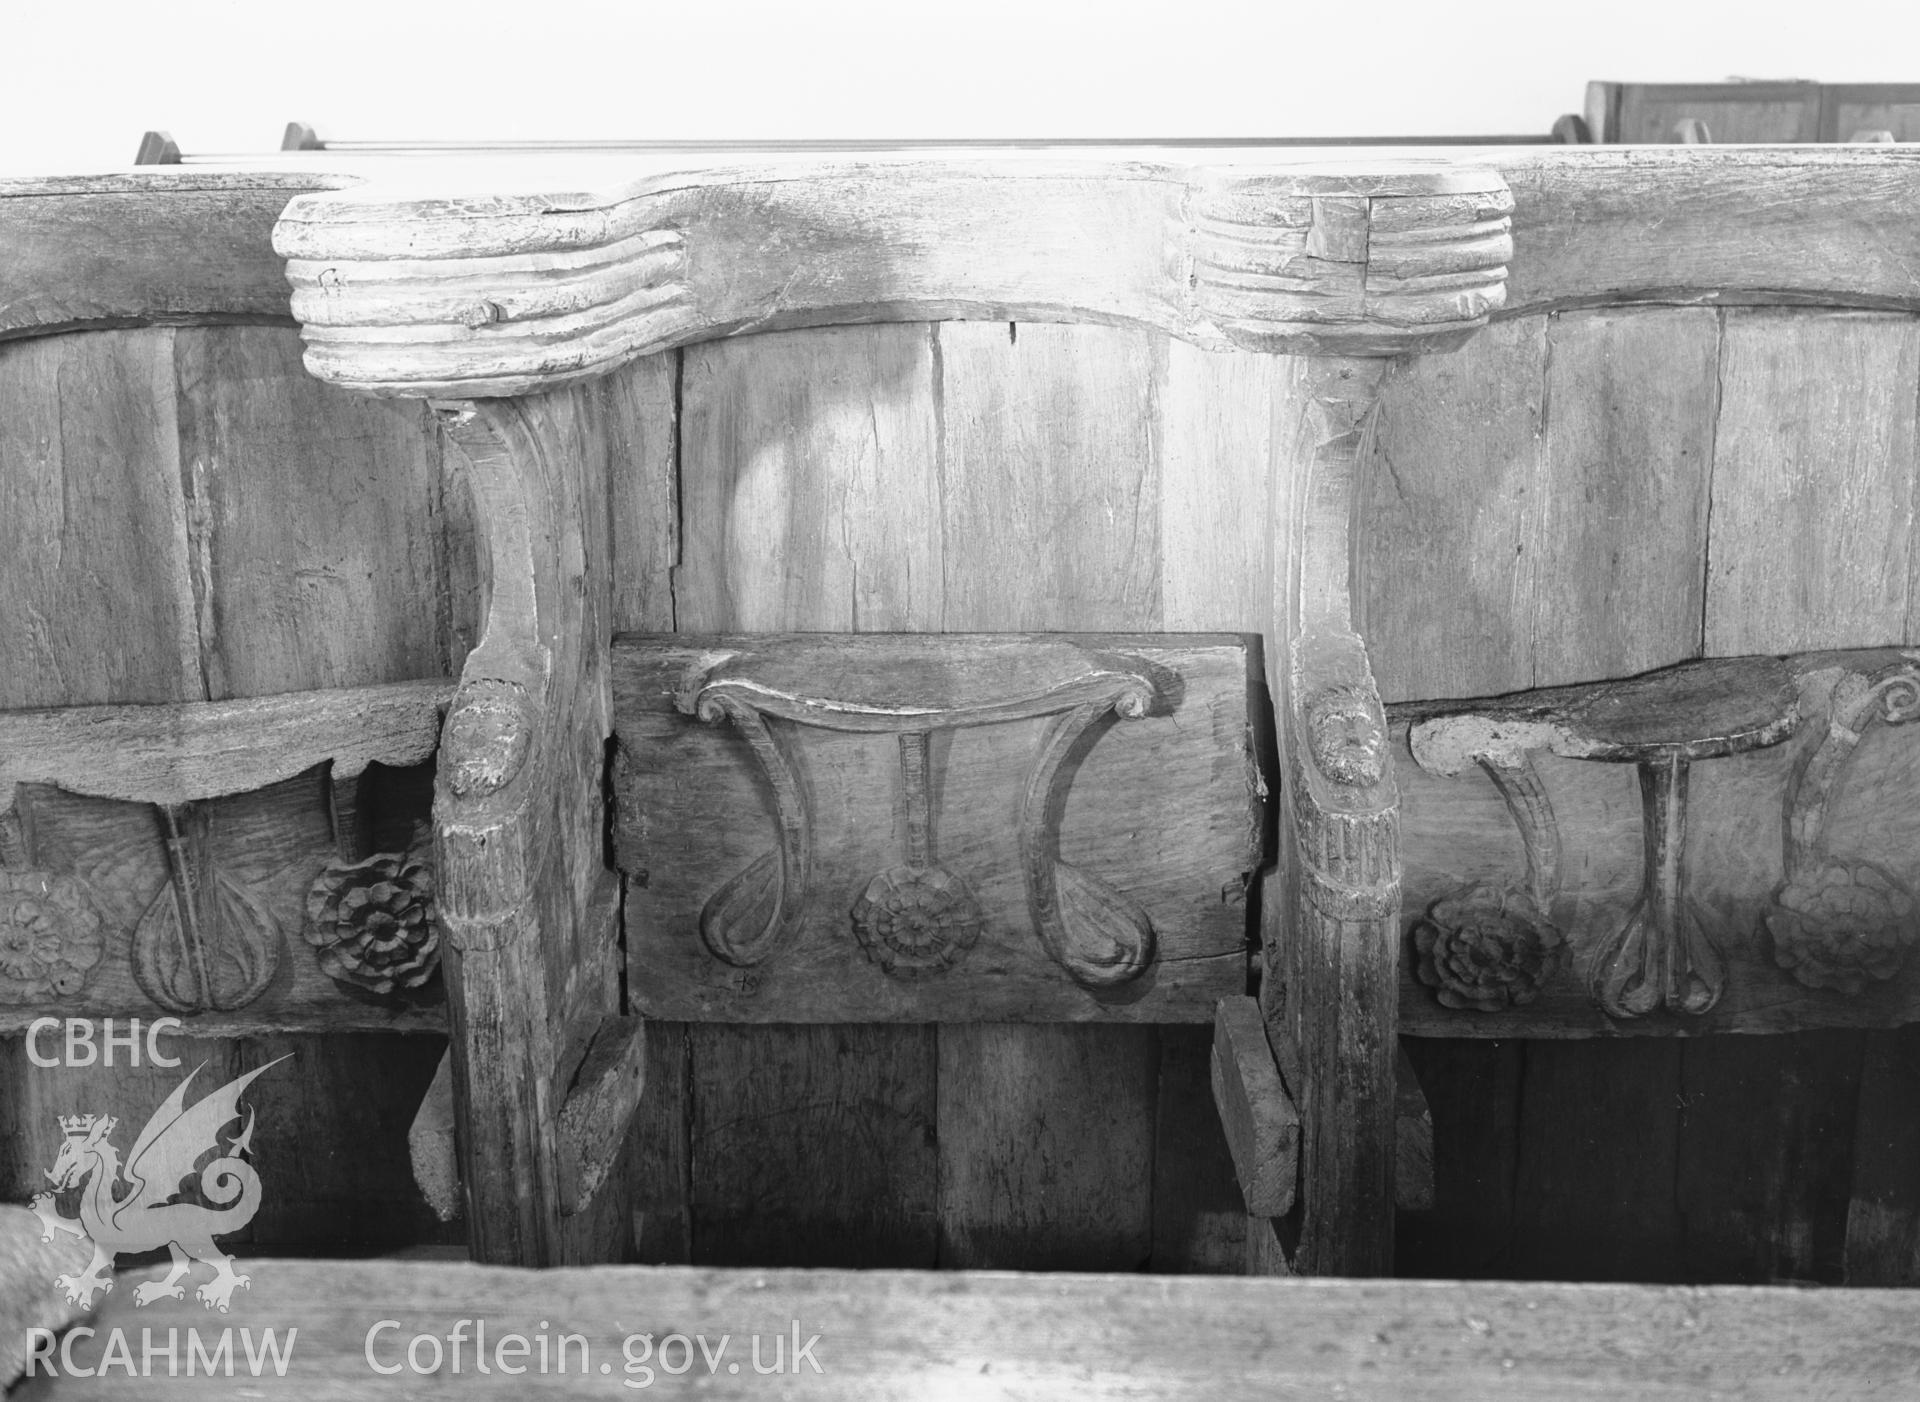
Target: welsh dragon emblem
[129,1208]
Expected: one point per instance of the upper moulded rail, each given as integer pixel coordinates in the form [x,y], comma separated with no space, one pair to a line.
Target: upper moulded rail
[501,275]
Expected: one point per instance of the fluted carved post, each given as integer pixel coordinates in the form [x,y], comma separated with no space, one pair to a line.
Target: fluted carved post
[1347,270]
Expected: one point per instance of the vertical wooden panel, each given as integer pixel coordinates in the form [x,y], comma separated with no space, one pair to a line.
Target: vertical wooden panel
[1216,417]
[94,600]
[810,495]
[334,1169]
[641,409]
[1051,477]
[311,512]
[810,500]
[1473,1090]
[314,531]
[1618,583]
[1046,1156]
[1051,489]
[1812,482]
[1883,1216]
[813,1146]
[1200,1223]
[1217,484]
[641,405]
[1766,1134]
[95,606]
[1446,528]
[1595,1163]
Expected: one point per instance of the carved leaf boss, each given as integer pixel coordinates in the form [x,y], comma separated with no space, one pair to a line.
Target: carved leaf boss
[919,916]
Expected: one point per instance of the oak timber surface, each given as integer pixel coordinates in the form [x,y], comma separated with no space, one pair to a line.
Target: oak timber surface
[899,1334]
[665,249]
[129,500]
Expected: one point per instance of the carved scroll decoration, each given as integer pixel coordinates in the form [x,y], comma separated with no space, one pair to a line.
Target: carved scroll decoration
[1488,947]
[920,917]
[1838,923]
[1662,955]
[208,941]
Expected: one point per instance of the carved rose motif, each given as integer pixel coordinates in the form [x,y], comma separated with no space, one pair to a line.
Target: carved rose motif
[1347,735]
[1485,948]
[372,922]
[1843,925]
[915,920]
[49,936]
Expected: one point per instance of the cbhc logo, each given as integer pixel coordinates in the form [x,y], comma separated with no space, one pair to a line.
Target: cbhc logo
[82,1049]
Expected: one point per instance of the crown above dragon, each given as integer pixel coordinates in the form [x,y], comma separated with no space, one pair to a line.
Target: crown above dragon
[79,1126]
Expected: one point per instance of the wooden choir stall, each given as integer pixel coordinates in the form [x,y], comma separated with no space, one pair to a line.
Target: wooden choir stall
[1044,709]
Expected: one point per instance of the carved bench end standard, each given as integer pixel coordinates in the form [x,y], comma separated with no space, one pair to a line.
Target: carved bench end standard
[1347,267]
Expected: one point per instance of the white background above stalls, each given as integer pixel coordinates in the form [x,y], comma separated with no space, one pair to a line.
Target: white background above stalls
[83,80]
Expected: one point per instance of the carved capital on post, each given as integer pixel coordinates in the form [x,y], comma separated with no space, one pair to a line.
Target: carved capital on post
[1352,260]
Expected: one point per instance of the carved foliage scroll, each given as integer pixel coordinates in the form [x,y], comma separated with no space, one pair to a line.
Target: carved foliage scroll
[212,937]
[919,917]
[1839,923]
[851,827]
[1490,949]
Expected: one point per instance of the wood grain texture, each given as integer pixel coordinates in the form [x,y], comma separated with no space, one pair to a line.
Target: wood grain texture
[294,533]
[1836,389]
[530,911]
[809,487]
[176,754]
[693,819]
[1018,1115]
[1261,1123]
[90,465]
[93,525]
[283,485]
[1357,256]
[1049,478]
[155,247]
[885,1334]
[1446,515]
[1049,483]
[641,406]
[332,1148]
[1883,1209]
[1200,1224]
[1197,247]
[814,1145]
[1767,1131]
[431,1150]
[809,500]
[1630,401]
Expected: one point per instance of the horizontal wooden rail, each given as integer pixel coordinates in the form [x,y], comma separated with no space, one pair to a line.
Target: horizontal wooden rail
[890,1334]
